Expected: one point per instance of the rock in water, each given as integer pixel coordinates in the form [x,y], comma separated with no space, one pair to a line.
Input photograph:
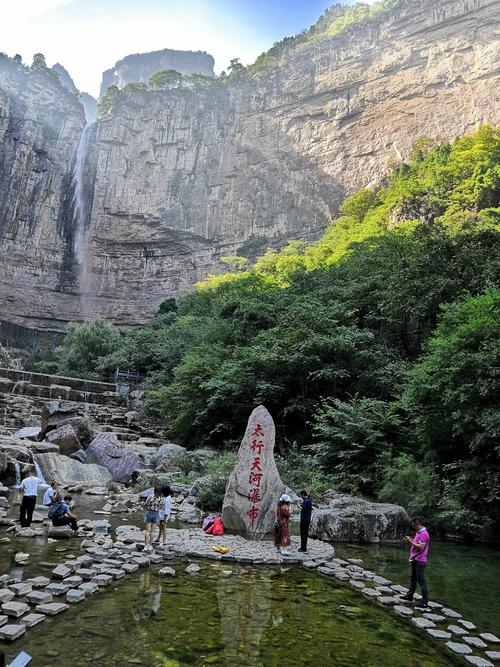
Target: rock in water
[254,487]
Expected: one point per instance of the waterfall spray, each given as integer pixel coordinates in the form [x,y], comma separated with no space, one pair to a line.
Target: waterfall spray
[80,197]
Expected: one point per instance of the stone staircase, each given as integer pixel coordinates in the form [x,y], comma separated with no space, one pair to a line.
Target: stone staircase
[23,395]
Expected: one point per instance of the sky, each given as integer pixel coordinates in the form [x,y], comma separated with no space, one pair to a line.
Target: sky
[89,36]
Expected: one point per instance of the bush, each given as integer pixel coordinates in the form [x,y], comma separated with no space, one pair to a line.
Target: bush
[84,346]
[216,471]
[405,482]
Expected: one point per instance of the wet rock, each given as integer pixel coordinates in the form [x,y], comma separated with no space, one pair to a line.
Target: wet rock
[489,638]
[21,588]
[21,557]
[478,661]
[61,572]
[438,634]
[15,609]
[254,486]
[436,618]
[406,612]
[386,600]
[116,573]
[65,438]
[75,595]
[29,532]
[11,632]
[39,597]
[39,582]
[60,532]
[57,589]
[457,630]
[3,619]
[6,595]
[458,649]
[423,623]
[51,608]
[475,642]
[466,624]
[106,450]
[167,572]
[89,588]
[371,593]
[192,569]
[30,620]
[451,613]
[493,655]
[102,580]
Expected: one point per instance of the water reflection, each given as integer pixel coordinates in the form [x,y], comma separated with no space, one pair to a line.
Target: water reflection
[245,609]
[148,600]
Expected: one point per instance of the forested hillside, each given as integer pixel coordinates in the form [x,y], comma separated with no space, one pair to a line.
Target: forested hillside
[376,348]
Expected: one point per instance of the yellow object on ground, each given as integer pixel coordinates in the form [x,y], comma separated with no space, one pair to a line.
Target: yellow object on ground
[221,550]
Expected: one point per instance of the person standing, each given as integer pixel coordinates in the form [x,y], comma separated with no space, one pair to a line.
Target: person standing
[282,532]
[305,519]
[419,551]
[29,489]
[154,503]
[165,514]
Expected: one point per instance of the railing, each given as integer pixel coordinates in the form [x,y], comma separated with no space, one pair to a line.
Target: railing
[126,376]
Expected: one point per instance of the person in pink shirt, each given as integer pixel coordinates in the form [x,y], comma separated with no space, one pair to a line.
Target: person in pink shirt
[419,550]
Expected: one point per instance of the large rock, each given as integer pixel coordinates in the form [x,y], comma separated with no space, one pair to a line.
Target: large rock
[106,450]
[170,456]
[56,414]
[28,432]
[68,471]
[351,519]
[66,439]
[254,487]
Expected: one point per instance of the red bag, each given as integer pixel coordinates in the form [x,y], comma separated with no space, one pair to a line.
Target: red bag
[217,528]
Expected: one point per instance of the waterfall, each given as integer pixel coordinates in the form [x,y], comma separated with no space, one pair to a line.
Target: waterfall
[17,468]
[81,208]
[39,473]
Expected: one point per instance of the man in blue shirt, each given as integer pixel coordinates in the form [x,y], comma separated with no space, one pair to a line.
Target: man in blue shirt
[305,519]
[61,514]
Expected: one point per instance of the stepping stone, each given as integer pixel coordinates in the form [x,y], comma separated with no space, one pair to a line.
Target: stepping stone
[357,575]
[39,597]
[141,562]
[459,649]
[354,583]
[493,655]
[102,580]
[385,600]
[423,623]
[341,576]
[475,641]
[73,564]
[74,581]
[406,612]
[51,608]
[85,560]
[6,595]
[15,609]
[116,573]
[437,618]
[88,588]
[451,613]
[57,589]
[21,589]
[371,592]
[11,632]
[466,624]
[157,558]
[111,562]
[39,582]
[167,572]
[438,634]
[385,590]
[61,572]
[3,619]
[75,595]
[30,620]
[457,630]
[382,581]
[477,661]
[434,605]
[192,569]
[488,637]
[399,589]
[87,573]
[130,567]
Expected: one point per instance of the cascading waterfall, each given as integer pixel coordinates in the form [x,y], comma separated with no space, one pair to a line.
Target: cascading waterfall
[80,196]
[39,473]
[17,468]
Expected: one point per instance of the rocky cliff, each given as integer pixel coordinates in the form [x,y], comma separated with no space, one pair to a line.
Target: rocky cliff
[140,67]
[183,177]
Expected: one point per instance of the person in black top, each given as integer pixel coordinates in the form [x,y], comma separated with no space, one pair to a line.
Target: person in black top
[305,519]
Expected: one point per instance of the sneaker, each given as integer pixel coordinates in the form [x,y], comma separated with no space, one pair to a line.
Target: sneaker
[285,553]
[302,551]
[407,598]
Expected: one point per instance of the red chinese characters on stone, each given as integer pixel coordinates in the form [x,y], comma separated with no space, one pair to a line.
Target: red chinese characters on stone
[256,473]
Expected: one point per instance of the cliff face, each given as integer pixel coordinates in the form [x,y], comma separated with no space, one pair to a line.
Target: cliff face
[183,177]
[140,67]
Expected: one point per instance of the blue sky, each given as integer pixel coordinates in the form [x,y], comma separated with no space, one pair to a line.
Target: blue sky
[88,36]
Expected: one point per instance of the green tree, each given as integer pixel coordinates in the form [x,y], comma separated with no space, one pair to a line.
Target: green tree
[39,61]
[166,79]
[84,346]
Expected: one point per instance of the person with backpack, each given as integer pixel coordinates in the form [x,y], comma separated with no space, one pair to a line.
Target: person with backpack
[61,515]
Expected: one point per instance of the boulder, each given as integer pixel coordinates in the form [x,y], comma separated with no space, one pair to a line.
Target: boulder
[80,455]
[190,514]
[28,432]
[170,456]
[106,450]
[44,447]
[66,439]
[57,413]
[350,519]
[67,471]
[254,487]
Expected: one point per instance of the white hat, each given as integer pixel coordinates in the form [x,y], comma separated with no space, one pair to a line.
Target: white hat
[285,498]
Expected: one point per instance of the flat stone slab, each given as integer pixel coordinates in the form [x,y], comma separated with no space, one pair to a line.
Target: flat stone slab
[386,600]
[406,612]
[129,568]
[475,642]
[30,620]
[51,608]
[61,572]
[371,592]
[88,588]
[382,581]
[459,649]
[102,579]
[490,638]
[3,619]
[423,623]
[6,595]
[477,661]
[74,581]
[436,618]
[11,632]
[39,582]
[15,609]
[57,589]
[39,597]
[21,589]
[451,613]
[438,634]
[167,572]
[116,573]
[466,624]
[493,655]
[75,595]
[141,561]
[87,573]
[359,585]
[457,630]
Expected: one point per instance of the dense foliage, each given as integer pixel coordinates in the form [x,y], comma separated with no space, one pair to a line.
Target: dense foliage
[375,348]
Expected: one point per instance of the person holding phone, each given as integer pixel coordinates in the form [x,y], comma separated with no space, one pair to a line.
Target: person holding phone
[419,551]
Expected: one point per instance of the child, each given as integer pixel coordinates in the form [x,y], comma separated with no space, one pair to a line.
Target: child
[154,503]
[165,514]
[282,533]
[419,551]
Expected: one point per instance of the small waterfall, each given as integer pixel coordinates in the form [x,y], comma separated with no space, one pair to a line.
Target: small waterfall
[81,199]
[17,468]
[39,473]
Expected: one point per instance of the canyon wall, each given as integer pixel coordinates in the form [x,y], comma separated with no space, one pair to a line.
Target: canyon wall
[183,177]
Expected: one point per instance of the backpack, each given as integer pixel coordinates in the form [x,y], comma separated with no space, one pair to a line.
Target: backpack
[57,511]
